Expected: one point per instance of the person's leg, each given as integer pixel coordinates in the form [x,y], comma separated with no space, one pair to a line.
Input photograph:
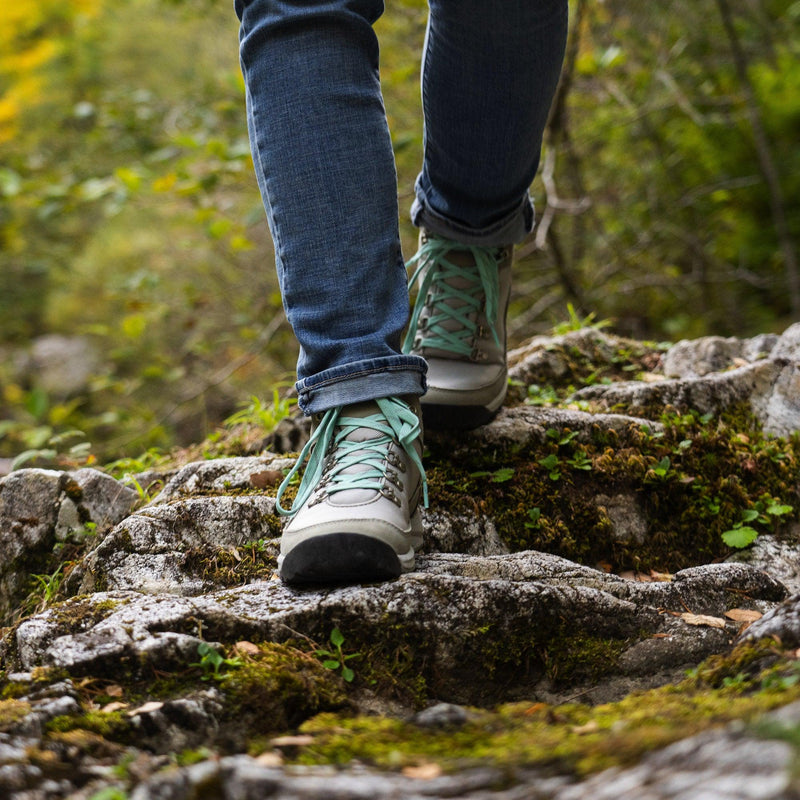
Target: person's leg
[324,163]
[325,167]
[489,75]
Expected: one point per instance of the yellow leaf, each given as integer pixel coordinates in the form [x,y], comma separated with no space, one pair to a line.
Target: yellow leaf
[702,619]
[743,615]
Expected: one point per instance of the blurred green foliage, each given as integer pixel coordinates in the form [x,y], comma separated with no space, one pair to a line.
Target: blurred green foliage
[129,213]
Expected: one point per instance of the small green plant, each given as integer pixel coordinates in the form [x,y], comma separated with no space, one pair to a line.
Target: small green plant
[763,512]
[110,793]
[580,461]
[534,515]
[576,323]
[561,438]
[661,471]
[45,590]
[551,464]
[213,663]
[542,396]
[55,447]
[336,659]
[500,475]
[265,415]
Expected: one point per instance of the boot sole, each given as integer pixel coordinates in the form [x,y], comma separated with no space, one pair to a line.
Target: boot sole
[342,558]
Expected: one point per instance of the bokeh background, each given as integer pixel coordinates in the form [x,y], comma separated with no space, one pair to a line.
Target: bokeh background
[138,304]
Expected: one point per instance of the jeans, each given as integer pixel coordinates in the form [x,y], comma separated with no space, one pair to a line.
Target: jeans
[324,164]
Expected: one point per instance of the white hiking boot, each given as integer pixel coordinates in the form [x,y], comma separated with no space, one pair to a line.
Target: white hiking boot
[459,327]
[356,517]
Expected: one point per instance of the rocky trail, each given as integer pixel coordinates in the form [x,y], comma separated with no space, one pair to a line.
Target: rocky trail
[608,605]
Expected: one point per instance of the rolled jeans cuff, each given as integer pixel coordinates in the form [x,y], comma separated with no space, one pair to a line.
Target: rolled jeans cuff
[360,381]
[511,229]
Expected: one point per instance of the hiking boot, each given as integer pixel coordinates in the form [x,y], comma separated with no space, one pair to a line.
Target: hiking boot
[356,517]
[458,326]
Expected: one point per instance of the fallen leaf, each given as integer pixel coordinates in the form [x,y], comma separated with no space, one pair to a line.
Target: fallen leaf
[590,727]
[246,648]
[114,691]
[743,615]
[265,479]
[535,707]
[270,760]
[702,619]
[660,636]
[111,707]
[301,740]
[662,577]
[424,772]
[639,577]
[154,705]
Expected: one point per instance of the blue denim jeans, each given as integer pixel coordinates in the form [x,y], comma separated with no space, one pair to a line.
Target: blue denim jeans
[324,164]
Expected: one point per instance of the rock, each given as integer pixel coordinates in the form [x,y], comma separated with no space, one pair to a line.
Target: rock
[698,357]
[62,365]
[781,623]
[39,508]
[454,609]
[733,764]
[713,374]
[441,715]
[184,547]
[176,603]
[779,555]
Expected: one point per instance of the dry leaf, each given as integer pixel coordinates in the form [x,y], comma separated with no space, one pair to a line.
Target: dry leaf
[301,740]
[270,759]
[246,648]
[743,615]
[265,479]
[115,706]
[660,636]
[146,708]
[114,691]
[702,619]
[661,577]
[640,577]
[424,772]
[590,727]
[535,707]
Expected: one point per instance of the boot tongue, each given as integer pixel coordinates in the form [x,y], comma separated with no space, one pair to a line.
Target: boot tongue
[360,434]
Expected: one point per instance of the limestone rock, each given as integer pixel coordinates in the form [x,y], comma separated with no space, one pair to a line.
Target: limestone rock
[713,374]
[61,365]
[454,608]
[694,358]
[41,507]
[176,547]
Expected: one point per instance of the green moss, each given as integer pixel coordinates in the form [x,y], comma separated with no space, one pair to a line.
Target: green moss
[278,688]
[223,567]
[693,481]
[12,711]
[111,725]
[570,738]
[80,613]
[578,656]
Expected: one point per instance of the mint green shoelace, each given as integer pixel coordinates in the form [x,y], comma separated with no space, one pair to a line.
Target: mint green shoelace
[448,303]
[395,422]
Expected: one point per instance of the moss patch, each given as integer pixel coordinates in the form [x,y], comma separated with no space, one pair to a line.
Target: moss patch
[693,481]
[572,738]
[12,711]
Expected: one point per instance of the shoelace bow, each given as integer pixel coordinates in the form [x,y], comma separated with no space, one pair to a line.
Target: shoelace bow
[395,422]
[444,303]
